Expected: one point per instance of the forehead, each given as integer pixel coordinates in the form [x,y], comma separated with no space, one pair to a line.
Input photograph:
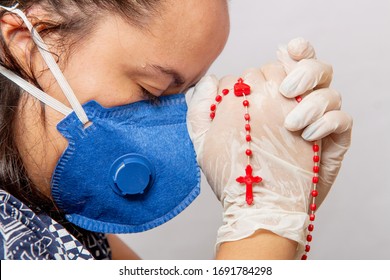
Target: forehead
[185,35]
[192,23]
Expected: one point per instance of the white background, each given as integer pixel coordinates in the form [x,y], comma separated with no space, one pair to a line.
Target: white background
[353,36]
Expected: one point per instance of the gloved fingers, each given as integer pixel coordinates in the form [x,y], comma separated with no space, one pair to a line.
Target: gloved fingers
[312,108]
[254,77]
[264,83]
[300,48]
[296,50]
[336,124]
[274,72]
[198,115]
[308,74]
[285,59]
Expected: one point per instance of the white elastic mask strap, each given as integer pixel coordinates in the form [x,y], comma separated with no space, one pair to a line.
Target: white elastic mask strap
[42,96]
[36,92]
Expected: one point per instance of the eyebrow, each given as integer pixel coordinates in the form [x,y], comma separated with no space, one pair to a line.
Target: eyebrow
[176,77]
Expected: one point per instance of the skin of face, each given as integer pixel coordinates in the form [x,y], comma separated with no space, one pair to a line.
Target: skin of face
[114,64]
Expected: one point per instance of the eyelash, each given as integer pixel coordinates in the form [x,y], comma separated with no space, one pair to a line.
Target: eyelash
[148,95]
[151,97]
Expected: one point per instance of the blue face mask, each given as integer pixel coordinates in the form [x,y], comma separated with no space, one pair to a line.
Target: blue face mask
[132,169]
[126,169]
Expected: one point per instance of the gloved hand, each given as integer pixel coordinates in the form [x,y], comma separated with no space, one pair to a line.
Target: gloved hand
[319,114]
[283,159]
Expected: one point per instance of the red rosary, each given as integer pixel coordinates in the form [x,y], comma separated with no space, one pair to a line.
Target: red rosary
[242,90]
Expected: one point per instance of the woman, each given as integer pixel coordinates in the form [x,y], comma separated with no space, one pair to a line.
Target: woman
[113,165]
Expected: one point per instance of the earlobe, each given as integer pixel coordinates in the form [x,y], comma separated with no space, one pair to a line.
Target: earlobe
[16,36]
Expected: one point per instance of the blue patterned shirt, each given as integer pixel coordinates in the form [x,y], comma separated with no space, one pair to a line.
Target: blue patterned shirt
[26,235]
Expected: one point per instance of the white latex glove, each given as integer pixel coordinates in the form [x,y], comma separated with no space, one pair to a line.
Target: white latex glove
[319,114]
[281,157]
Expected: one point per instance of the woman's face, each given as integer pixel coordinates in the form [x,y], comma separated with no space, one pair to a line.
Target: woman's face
[116,63]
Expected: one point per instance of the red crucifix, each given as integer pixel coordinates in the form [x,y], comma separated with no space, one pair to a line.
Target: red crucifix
[249,180]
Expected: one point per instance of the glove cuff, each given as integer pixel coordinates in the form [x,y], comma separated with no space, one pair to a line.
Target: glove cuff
[245,222]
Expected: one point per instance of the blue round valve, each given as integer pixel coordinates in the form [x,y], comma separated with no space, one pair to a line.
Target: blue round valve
[132,174]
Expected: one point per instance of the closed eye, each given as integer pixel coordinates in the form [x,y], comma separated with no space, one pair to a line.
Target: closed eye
[148,95]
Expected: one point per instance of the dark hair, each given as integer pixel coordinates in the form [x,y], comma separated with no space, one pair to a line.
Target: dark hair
[72,18]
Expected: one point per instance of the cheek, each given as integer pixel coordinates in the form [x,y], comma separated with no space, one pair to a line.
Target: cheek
[39,143]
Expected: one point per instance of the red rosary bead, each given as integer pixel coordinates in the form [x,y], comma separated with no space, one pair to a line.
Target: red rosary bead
[248,152]
[314,192]
[247,117]
[248,138]
[212,115]
[245,103]
[225,91]
[218,98]
[248,127]
[213,107]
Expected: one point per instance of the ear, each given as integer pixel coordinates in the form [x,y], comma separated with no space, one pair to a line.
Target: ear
[17,37]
